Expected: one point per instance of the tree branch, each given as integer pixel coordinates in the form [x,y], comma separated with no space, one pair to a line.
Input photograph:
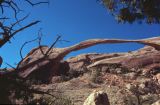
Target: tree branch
[6,39]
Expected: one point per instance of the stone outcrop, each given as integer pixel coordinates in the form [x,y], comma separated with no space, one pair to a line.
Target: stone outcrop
[156,103]
[97,98]
[134,76]
[158,77]
[35,62]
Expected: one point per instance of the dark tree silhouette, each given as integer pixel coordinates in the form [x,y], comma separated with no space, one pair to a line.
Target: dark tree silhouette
[13,84]
[8,31]
[134,10]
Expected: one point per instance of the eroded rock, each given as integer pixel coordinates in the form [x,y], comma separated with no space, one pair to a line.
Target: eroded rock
[156,103]
[158,78]
[97,98]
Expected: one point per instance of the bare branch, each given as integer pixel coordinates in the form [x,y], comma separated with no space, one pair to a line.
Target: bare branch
[18,21]
[8,34]
[3,18]
[42,59]
[39,38]
[21,29]
[52,45]
[25,44]
[39,41]
[33,4]
[13,5]
[10,65]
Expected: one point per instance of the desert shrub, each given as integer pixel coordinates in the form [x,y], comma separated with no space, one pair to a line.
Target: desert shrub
[65,78]
[74,73]
[95,76]
[19,91]
[78,72]
[13,89]
[59,99]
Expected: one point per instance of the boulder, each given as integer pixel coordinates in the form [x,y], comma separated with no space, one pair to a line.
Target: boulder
[158,78]
[149,99]
[97,98]
[156,103]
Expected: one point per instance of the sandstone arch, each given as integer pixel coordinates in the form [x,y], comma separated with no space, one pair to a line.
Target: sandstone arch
[57,54]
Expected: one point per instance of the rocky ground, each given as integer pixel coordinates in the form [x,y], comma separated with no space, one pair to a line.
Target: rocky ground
[131,78]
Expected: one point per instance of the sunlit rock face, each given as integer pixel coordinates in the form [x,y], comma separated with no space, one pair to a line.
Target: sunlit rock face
[156,103]
[97,98]
[128,78]
[43,69]
[147,59]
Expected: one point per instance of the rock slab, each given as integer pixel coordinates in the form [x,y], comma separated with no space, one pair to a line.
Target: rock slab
[97,98]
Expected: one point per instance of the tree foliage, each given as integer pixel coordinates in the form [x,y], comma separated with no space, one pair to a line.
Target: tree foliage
[134,10]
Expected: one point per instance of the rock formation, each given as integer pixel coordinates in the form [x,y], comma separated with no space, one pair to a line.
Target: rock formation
[156,103]
[128,78]
[97,98]
[36,62]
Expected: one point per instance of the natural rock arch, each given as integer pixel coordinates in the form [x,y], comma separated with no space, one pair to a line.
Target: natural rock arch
[57,54]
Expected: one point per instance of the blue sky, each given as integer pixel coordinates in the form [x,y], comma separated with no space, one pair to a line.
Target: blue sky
[75,20]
